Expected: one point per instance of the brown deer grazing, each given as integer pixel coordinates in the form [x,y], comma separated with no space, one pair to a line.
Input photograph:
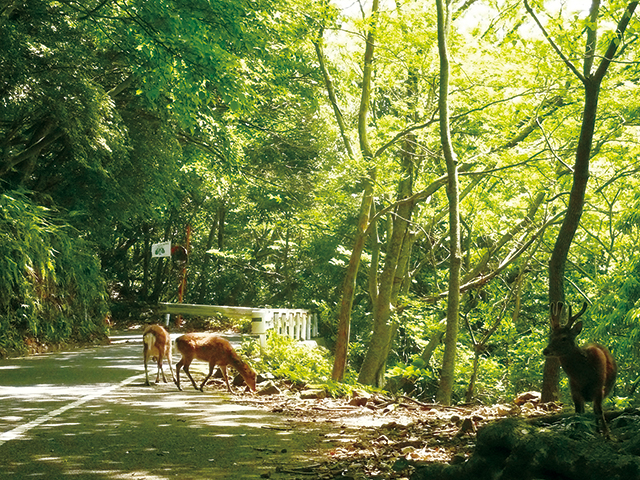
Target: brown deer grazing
[591,369]
[216,351]
[157,343]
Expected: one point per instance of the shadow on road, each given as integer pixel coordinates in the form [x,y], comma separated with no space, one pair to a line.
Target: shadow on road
[135,431]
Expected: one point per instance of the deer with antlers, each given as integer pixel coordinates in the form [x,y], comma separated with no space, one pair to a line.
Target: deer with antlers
[591,369]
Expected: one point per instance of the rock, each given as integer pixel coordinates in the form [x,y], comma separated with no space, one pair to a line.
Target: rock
[455,419]
[358,393]
[528,408]
[527,397]
[263,377]
[238,381]
[504,410]
[269,388]
[313,394]
[360,398]
[358,402]
[467,427]
[571,449]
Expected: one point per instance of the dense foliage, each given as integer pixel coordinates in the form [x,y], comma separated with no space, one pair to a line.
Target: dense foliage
[209,123]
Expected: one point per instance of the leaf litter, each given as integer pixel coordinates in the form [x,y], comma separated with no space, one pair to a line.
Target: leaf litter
[380,437]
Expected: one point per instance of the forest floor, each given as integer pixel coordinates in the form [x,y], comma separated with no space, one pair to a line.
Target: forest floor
[379,437]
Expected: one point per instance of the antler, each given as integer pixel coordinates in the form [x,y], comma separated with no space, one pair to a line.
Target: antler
[556,310]
[577,315]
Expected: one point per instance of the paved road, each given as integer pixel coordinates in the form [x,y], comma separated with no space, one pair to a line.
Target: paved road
[88,414]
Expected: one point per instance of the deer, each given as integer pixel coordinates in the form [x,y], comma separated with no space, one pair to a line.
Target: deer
[216,351]
[591,369]
[156,343]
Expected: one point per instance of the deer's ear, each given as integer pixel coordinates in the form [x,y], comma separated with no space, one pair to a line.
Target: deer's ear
[577,328]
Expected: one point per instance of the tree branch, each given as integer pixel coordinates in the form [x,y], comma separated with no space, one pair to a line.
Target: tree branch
[511,257]
[592,37]
[332,94]
[553,44]
[616,41]
[507,237]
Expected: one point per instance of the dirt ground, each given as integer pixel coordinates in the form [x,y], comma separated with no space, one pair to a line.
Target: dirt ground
[372,436]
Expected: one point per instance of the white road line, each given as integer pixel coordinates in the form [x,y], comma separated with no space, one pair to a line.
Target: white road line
[18,431]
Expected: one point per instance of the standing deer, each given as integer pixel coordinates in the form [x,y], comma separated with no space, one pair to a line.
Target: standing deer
[216,351]
[591,369]
[157,343]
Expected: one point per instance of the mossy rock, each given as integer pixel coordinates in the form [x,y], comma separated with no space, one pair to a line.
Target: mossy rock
[568,449]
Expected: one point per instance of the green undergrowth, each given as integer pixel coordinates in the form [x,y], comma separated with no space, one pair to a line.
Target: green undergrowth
[302,364]
[52,291]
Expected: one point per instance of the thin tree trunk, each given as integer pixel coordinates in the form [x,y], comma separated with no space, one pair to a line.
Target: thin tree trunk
[375,257]
[146,256]
[435,340]
[371,371]
[373,366]
[332,95]
[204,270]
[474,375]
[447,378]
[344,316]
[222,213]
[349,283]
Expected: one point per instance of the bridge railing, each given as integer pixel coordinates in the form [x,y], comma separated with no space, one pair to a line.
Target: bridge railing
[299,324]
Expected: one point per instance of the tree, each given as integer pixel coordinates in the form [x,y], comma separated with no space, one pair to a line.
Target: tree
[591,81]
[455,255]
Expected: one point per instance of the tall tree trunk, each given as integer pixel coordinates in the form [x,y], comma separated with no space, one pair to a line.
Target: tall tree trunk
[222,213]
[445,388]
[371,372]
[551,372]
[344,316]
[349,283]
[591,82]
[374,243]
[146,262]
[388,287]
[204,270]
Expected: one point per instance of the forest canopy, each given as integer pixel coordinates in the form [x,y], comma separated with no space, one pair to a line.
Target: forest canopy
[294,149]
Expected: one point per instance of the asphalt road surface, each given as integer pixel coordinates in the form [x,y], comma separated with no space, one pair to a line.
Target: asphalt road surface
[88,415]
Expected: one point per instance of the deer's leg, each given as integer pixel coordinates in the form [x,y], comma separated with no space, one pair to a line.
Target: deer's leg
[211,367]
[601,422]
[160,370]
[178,367]
[145,353]
[186,370]
[170,366]
[185,364]
[578,400]
[223,369]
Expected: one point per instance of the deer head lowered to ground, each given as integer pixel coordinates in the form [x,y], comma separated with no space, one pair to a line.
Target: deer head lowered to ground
[591,369]
[215,350]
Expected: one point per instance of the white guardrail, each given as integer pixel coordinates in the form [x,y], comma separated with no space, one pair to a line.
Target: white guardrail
[294,323]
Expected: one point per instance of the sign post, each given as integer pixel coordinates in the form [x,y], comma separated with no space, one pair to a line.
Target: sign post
[162,249]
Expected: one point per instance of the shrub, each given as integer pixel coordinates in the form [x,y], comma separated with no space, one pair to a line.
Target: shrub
[289,359]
